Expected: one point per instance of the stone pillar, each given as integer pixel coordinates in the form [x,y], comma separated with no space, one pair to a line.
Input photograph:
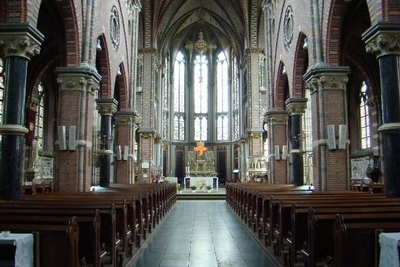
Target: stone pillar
[77,88]
[255,122]
[296,108]
[125,123]
[277,131]
[382,39]
[329,104]
[106,108]
[18,43]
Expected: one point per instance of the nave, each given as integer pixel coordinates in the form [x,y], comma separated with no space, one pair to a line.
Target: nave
[203,233]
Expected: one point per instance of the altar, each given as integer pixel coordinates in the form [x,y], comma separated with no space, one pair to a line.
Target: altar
[201,182]
[200,168]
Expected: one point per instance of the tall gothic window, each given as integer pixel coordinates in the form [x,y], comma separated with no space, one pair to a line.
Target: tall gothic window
[200,98]
[179,97]
[235,104]
[166,99]
[1,91]
[222,98]
[40,113]
[365,129]
[306,142]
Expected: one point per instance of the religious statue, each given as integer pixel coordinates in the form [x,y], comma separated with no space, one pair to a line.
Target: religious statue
[34,155]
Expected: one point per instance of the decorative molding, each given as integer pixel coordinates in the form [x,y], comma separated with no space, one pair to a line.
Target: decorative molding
[147,50]
[106,106]
[78,79]
[383,38]
[325,77]
[288,27]
[276,117]
[21,40]
[390,127]
[125,117]
[13,129]
[296,106]
[115,27]
[253,50]
[146,135]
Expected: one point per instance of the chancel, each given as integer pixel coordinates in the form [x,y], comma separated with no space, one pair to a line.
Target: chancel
[200,168]
[108,108]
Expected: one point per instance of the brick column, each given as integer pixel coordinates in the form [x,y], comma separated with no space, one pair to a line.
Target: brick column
[382,39]
[77,87]
[296,108]
[18,43]
[106,108]
[255,116]
[148,125]
[277,131]
[328,100]
[125,123]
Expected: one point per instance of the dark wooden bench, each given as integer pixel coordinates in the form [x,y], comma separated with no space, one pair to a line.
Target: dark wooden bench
[55,241]
[320,242]
[357,243]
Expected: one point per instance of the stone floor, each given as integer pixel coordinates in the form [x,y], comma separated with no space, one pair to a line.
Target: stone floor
[204,233]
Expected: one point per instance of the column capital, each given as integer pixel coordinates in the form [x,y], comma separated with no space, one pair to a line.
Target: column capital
[106,106]
[296,106]
[20,40]
[147,50]
[78,79]
[126,117]
[276,117]
[253,50]
[323,77]
[383,38]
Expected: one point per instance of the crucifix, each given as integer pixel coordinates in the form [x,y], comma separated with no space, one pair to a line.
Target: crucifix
[200,148]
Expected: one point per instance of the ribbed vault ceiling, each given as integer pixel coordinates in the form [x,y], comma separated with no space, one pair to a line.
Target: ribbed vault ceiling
[176,22]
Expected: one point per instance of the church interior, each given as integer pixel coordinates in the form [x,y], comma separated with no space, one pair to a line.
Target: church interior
[288,111]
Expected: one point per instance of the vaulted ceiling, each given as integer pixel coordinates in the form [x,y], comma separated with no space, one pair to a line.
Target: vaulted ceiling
[172,23]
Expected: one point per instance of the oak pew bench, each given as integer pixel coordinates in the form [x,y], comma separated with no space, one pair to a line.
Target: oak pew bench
[55,241]
[319,245]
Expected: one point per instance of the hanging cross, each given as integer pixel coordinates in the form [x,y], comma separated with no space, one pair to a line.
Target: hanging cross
[200,148]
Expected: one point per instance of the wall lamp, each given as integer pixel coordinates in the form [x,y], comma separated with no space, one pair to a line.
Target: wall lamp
[281,154]
[341,139]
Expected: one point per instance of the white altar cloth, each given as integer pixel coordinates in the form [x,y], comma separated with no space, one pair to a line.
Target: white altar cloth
[171,179]
[389,243]
[23,250]
[201,182]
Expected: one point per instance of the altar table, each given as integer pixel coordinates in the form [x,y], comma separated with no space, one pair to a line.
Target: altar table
[389,243]
[201,182]
[23,248]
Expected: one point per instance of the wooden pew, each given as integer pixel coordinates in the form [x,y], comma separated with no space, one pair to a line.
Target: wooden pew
[147,204]
[320,232]
[357,244]
[55,242]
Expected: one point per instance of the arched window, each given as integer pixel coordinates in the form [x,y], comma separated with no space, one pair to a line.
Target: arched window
[40,112]
[1,90]
[200,98]
[235,102]
[306,142]
[365,124]
[179,97]
[222,98]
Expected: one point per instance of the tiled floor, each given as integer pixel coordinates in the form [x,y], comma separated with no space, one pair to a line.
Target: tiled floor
[203,233]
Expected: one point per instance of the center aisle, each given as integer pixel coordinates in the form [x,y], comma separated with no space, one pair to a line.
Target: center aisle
[201,233]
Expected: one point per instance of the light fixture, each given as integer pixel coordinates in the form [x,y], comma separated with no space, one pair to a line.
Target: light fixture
[284,71]
[98,47]
[119,71]
[305,45]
